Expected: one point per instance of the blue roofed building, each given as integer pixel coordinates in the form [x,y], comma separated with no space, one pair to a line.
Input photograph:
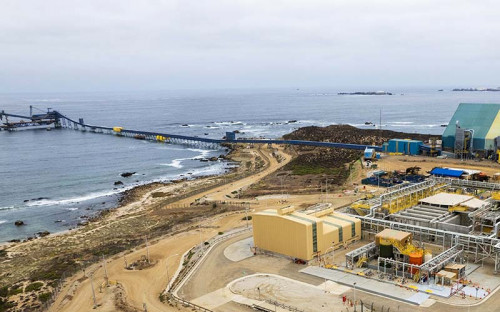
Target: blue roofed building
[447,173]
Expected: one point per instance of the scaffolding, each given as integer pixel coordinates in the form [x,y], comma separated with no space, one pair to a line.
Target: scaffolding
[464,140]
[480,247]
[409,196]
[440,261]
[467,183]
[367,251]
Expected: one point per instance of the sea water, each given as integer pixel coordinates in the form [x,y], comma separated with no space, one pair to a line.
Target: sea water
[54,180]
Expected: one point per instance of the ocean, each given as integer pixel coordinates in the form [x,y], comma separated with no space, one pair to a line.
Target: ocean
[52,180]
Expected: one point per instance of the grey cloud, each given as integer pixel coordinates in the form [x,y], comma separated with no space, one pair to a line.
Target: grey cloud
[120,45]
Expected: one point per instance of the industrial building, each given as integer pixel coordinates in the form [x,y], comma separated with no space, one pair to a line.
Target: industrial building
[402,146]
[473,128]
[303,235]
[394,251]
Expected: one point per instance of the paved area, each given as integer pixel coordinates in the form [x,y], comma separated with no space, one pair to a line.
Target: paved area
[296,294]
[263,289]
[369,285]
[239,250]
[218,271]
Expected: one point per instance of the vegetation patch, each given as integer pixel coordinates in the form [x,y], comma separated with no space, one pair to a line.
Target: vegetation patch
[36,286]
[159,194]
[44,297]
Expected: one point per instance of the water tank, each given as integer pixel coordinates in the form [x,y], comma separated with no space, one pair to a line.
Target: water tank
[427,257]
[415,258]
[386,250]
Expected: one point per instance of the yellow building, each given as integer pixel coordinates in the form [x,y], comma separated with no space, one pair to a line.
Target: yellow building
[301,235]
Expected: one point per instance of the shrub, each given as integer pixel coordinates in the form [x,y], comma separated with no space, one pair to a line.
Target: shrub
[16,289]
[36,286]
[4,291]
[44,297]
[158,194]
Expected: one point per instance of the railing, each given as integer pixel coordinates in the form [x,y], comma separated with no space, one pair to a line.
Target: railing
[191,268]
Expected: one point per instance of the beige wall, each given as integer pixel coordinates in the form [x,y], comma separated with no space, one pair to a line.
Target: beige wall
[283,235]
[292,236]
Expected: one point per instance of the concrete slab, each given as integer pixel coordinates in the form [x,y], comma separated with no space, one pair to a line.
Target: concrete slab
[239,250]
[427,303]
[333,288]
[471,292]
[292,293]
[214,299]
[368,285]
[419,298]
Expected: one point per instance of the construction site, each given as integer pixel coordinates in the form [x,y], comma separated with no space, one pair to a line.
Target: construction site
[413,243]
[401,231]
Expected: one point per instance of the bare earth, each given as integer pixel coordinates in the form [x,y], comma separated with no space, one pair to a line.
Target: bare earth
[144,287]
[186,225]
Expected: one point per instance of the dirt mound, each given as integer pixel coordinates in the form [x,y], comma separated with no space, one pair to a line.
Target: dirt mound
[311,166]
[350,134]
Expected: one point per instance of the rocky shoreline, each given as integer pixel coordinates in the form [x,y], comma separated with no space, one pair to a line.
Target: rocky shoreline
[124,198]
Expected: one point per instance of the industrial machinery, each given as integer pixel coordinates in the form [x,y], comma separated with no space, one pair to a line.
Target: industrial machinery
[464,142]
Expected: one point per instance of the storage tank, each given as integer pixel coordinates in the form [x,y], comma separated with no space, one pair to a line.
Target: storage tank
[386,250]
[427,257]
[415,258]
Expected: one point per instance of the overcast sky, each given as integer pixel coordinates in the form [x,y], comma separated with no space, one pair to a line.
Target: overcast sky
[69,45]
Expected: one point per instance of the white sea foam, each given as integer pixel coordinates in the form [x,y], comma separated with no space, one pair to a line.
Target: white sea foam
[3,221]
[176,163]
[203,153]
[230,123]
[7,208]
[72,209]
[50,202]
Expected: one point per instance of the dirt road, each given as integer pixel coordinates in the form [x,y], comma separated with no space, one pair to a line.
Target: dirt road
[143,287]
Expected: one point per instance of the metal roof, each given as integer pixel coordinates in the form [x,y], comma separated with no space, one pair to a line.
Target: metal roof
[446,199]
[444,172]
[466,171]
[481,117]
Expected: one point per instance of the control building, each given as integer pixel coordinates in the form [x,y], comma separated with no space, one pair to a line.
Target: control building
[301,235]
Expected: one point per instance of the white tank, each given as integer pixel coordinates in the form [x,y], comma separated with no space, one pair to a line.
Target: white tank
[427,257]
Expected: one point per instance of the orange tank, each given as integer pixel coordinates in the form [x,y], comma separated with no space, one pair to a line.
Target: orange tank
[417,259]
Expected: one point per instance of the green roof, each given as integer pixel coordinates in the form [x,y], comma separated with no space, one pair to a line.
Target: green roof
[478,116]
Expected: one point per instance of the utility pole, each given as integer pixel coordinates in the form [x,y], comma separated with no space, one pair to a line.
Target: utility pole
[380,121]
[168,276]
[326,190]
[147,249]
[106,277]
[125,259]
[354,294]
[199,231]
[93,291]
[246,214]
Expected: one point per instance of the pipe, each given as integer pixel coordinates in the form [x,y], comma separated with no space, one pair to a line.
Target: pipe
[495,231]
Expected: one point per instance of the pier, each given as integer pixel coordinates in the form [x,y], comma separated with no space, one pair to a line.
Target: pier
[57,120]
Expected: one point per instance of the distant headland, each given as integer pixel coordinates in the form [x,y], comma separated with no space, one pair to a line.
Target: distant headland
[477,89]
[366,93]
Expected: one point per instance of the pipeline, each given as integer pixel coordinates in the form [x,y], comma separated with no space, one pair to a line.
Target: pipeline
[220,141]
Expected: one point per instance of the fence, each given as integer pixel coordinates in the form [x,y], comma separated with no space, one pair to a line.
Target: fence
[57,290]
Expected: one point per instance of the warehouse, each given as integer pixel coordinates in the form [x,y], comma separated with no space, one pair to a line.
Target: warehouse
[474,125]
[301,235]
